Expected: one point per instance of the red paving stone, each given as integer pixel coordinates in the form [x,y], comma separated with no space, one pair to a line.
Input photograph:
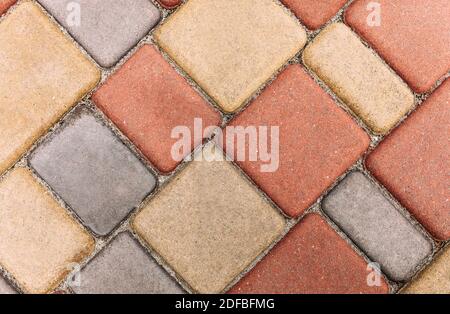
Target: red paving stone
[413,37]
[318,140]
[413,163]
[169,4]
[5,4]
[312,258]
[146,99]
[314,13]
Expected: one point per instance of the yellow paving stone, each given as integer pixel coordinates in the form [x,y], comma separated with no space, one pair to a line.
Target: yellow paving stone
[433,279]
[40,241]
[209,223]
[359,77]
[42,75]
[231,47]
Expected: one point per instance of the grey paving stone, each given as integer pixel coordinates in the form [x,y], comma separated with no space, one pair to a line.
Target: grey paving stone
[93,171]
[376,226]
[106,29]
[123,267]
[5,288]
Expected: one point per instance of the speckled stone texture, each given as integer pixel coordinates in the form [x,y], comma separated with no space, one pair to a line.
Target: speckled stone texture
[203,225]
[435,278]
[157,100]
[238,45]
[312,258]
[314,13]
[413,163]
[98,176]
[41,242]
[124,268]
[412,37]
[318,141]
[359,77]
[375,225]
[107,29]
[5,288]
[5,4]
[42,75]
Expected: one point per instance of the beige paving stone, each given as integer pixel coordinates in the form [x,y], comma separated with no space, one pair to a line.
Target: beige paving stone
[40,241]
[42,75]
[359,77]
[434,279]
[209,223]
[231,47]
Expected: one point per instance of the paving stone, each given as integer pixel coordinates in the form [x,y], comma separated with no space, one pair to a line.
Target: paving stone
[157,100]
[169,4]
[5,4]
[359,77]
[124,268]
[312,258]
[5,288]
[314,13]
[412,37]
[412,163]
[98,176]
[375,225]
[318,141]
[238,45]
[209,229]
[106,29]
[43,75]
[435,278]
[41,242]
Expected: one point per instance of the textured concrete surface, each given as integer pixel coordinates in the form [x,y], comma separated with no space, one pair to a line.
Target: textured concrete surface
[207,228]
[124,268]
[413,163]
[5,4]
[238,45]
[314,13]
[412,37]
[318,140]
[157,100]
[107,29]
[43,75]
[93,172]
[5,288]
[312,258]
[40,240]
[169,4]
[435,278]
[375,225]
[359,77]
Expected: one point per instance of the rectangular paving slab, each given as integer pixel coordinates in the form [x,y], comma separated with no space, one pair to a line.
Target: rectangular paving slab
[93,171]
[124,268]
[376,226]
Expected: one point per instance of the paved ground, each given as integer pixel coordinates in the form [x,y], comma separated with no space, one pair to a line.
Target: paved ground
[91,200]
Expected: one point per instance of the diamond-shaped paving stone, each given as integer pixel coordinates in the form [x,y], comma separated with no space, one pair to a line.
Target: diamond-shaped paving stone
[158,100]
[41,243]
[42,75]
[93,171]
[231,47]
[124,268]
[374,224]
[312,258]
[106,29]
[5,288]
[209,223]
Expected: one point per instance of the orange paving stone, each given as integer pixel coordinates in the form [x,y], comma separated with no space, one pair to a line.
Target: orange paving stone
[312,258]
[41,242]
[5,4]
[413,37]
[318,141]
[43,76]
[314,13]
[413,163]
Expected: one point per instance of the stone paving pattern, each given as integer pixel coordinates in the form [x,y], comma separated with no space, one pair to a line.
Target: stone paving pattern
[91,200]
